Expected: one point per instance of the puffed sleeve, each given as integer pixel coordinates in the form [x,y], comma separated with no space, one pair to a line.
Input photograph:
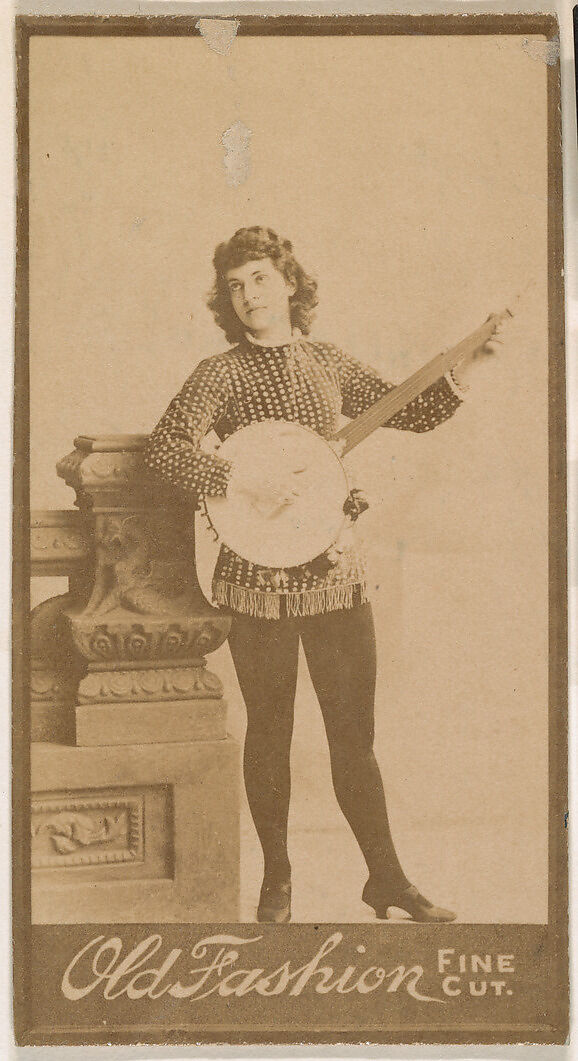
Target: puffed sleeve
[173,450]
[361,386]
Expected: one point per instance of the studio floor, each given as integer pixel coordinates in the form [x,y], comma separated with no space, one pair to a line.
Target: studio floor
[329,874]
[470,829]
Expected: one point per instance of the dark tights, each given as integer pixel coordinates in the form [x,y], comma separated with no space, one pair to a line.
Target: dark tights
[340,652]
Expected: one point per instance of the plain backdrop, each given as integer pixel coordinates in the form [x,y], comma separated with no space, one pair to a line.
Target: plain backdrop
[410,174]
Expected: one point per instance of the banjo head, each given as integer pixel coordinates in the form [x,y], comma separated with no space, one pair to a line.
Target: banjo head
[284,535]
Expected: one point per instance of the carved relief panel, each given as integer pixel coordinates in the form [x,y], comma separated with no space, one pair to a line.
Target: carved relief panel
[106,833]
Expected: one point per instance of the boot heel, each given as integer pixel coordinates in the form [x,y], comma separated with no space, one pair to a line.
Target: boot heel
[382,913]
[409,900]
[275,903]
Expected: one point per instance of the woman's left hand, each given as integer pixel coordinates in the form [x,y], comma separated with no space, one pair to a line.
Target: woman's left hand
[461,372]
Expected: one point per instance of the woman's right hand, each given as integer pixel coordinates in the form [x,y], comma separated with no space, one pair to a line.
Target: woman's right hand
[265,489]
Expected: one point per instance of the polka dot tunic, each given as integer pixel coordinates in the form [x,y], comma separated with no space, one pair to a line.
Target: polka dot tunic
[308,382]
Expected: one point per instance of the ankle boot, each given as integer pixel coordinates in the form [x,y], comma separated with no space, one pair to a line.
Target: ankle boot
[275,902]
[409,899]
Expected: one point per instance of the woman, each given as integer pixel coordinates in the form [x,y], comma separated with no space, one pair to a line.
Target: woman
[264,301]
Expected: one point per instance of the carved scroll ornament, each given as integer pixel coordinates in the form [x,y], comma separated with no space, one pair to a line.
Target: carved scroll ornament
[87,831]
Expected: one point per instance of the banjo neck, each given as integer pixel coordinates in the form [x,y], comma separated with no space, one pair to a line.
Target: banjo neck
[383,410]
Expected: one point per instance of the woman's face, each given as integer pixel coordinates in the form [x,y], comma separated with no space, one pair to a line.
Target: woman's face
[260,297]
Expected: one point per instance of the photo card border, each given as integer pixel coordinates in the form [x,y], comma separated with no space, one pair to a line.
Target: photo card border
[28,1030]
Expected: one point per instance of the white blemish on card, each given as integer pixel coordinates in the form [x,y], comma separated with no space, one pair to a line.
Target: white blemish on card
[544,51]
[219,33]
[237,161]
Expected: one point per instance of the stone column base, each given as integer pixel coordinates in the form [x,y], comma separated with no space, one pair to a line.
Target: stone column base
[149,723]
[135,833]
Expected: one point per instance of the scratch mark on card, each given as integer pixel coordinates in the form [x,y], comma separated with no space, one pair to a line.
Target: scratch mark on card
[543,51]
[237,161]
[219,33]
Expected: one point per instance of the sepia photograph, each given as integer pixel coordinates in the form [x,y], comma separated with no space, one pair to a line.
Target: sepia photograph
[289,545]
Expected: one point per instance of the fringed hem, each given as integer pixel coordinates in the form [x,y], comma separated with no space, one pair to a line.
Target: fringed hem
[273,605]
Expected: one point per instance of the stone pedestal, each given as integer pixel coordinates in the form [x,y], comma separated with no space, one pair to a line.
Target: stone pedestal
[170,704]
[59,546]
[138,820]
[135,833]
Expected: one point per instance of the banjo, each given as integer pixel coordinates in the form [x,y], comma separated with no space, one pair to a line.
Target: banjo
[296,529]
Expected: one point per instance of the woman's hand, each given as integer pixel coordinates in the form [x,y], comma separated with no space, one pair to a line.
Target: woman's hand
[462,371]
[265,489]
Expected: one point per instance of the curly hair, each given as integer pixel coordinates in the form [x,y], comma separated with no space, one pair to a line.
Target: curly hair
[252,244]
